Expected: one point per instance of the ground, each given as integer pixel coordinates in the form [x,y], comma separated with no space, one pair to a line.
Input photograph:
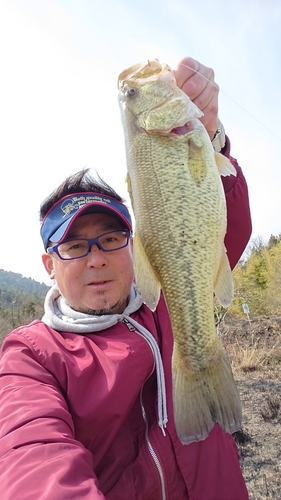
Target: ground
[254,349]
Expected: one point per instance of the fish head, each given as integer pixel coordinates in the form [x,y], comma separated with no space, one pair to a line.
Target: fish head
[150,99]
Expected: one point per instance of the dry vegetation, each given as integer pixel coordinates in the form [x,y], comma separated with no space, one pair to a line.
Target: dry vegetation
[254,349]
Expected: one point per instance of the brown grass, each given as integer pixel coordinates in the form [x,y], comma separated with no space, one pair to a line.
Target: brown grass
[254,350]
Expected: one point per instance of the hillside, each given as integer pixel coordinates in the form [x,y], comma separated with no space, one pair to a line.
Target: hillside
[21,300]
[8,279]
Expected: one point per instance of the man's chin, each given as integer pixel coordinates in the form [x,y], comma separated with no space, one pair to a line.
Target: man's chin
[117,308]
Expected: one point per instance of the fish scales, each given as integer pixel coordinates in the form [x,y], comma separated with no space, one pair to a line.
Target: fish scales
[178,234]
[180,223]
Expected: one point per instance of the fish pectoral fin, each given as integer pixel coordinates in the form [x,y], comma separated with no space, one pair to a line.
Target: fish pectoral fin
[146,279]
[196,158]
[224,165]
[223,288]
[203,397]
[129,189]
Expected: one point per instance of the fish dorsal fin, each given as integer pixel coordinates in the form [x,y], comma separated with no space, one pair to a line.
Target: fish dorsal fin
[223,288]
[146,280]
[224,165]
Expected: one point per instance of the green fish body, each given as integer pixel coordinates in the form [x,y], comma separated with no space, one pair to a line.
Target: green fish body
[180,224]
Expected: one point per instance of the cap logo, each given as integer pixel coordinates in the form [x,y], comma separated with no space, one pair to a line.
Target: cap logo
[76,202]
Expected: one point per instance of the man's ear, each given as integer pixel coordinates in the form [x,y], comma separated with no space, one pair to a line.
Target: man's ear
[48,264]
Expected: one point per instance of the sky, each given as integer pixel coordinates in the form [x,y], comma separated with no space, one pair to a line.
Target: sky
[59,63]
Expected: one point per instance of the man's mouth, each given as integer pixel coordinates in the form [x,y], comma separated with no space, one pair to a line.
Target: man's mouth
[96,283]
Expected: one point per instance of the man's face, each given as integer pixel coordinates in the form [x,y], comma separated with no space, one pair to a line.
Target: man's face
[100,282]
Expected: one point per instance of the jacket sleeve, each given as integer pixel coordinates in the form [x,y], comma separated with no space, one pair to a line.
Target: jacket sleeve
[239,226]
[39,456]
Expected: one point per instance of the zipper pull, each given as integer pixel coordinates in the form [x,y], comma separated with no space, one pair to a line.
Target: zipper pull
[129,325]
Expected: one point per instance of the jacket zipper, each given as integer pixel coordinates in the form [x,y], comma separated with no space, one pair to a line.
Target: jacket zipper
[144,416]
[152,451]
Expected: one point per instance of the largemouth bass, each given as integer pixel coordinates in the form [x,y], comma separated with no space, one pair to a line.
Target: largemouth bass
[180,224]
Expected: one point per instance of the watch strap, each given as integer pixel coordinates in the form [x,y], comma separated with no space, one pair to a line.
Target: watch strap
[218,141]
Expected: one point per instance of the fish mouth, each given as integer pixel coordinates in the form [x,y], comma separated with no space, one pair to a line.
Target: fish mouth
[183,129]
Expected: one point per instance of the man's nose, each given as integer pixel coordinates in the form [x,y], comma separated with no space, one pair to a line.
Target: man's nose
[96,257]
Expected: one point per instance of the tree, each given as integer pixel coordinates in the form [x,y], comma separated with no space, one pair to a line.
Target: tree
[257,280]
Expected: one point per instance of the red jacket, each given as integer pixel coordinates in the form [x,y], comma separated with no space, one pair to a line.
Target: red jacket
[78,417]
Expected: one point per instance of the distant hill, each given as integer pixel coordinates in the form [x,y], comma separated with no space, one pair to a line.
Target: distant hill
[21,301]
[16,281]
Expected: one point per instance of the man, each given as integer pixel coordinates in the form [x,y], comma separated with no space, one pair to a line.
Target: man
[82,408]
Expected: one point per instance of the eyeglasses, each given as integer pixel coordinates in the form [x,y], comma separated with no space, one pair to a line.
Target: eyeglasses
[78,248]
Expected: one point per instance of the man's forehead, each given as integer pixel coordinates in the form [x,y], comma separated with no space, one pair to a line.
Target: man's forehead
[104,222]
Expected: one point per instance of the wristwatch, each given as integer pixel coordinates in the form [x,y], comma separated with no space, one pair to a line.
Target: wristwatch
[218,140]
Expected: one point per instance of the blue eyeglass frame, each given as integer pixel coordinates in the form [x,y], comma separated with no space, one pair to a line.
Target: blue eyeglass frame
[91,241]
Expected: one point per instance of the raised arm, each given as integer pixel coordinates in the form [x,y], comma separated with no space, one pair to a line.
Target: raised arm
[197,81]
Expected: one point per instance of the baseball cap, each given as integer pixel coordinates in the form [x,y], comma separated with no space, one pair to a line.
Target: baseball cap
[58,220]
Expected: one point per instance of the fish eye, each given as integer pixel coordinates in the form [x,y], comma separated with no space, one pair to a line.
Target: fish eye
[131,91]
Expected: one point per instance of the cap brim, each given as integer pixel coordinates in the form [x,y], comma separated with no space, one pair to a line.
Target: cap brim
[62,231]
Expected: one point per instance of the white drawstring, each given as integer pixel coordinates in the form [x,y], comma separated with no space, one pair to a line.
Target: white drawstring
[161,388]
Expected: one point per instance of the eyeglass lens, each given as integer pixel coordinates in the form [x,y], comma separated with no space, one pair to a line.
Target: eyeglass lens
[80,247]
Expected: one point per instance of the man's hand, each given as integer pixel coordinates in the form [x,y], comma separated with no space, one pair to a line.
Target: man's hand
[197,81]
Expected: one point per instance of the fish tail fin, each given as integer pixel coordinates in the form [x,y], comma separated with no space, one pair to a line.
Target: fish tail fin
[224,165]
[203,397]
